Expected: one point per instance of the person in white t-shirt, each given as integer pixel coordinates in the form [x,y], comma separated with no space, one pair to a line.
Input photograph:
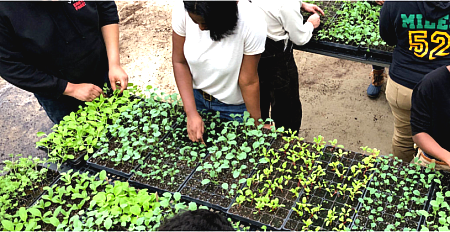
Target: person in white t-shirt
[216,50]
[278,74]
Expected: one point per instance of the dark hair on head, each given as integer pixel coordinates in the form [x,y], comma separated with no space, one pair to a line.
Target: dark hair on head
[197,220]
[221,17]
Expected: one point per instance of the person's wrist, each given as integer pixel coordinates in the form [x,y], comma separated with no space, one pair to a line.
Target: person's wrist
[191,113]
[69,89]
[115,64]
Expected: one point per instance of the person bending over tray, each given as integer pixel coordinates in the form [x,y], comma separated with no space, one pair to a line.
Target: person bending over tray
[216,50]
[430,118]
[278,74]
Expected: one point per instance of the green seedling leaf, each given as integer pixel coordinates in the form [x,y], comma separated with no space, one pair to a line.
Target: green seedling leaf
[192,206]
[205,181]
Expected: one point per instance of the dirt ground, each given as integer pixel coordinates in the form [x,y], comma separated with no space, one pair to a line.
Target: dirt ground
[333,91]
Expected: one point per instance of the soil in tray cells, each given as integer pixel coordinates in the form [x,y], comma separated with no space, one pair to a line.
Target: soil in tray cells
[330,200]
[317,216]
[109,157]
[396,195]
[233,156]
[170,163]
[277,183]
[134,134]
[32,192]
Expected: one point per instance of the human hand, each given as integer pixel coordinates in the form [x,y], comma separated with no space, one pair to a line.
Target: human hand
[195,127]
[83,92]
[315,20]
[118,75]
[312,8]
[380,2]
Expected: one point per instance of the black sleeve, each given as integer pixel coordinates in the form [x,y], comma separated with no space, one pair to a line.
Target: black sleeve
[421,107]
[14,70]
[387,24]
[107,12]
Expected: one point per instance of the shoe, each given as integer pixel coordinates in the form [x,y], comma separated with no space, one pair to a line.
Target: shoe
[374,88]
[373,91]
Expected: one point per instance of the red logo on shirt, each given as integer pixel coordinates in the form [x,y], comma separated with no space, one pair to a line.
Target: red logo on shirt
[79,4]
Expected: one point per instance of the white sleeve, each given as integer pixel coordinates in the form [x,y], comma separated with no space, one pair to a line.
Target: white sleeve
[299,33]
[179,18]
[255,38]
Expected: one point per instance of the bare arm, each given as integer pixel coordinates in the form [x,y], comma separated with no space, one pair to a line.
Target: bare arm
[431,147]
[249,84]
[116,73]
[183,78]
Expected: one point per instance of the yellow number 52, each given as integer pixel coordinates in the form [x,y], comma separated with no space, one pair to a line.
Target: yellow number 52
[418,43]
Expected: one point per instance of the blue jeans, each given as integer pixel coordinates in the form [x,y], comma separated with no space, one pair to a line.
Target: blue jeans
[57,108]
[226,110]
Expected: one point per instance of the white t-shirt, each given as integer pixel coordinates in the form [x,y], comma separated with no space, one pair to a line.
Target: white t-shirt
[284,20]
[215,65]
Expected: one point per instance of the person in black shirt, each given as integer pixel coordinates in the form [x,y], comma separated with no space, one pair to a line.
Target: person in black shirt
[420,31]
[430,118]
[63,52]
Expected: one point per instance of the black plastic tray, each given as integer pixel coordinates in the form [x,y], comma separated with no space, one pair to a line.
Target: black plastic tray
[257,223]
[120,173]
[425,206]
[159,190]
[233,199]
[348,52]
[321,159]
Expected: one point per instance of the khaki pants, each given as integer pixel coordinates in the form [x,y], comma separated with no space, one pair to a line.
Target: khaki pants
[424,161]
[399,99]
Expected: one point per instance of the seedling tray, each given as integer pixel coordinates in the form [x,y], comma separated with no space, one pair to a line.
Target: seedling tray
[178,154]
[380,55]
[56,176]
[94,165]
[211,198]
[248,212]
[140,183]
[348,52]
[387,211]
[322,197]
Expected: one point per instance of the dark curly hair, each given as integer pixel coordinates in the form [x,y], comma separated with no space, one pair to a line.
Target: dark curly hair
[221,17]
[197,220]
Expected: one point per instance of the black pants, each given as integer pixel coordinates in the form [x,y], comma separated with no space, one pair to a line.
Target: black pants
[278,80]
[374,67]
